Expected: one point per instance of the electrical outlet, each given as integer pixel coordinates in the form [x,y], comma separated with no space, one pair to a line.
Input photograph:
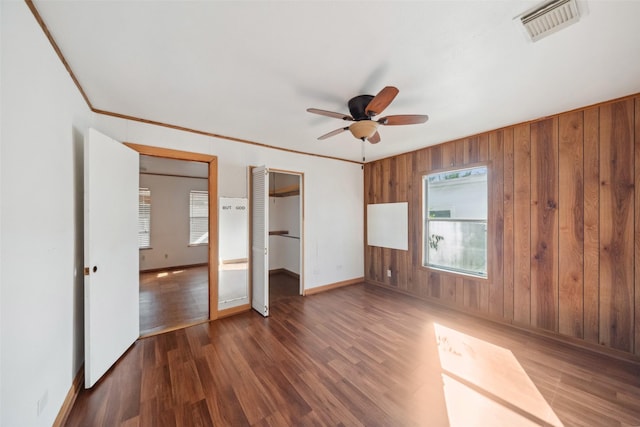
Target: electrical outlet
[388,272]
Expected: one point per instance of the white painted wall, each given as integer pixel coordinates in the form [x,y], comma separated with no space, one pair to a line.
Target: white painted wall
[1,137]
[333,226]
[170,222]
[284,252]
[43,121]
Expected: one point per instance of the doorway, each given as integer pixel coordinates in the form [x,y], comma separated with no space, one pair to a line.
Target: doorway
[277,211]
[285,225]
[180,286]
[172,237]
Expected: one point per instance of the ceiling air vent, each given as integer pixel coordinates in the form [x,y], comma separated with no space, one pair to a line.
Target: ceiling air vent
[549,18]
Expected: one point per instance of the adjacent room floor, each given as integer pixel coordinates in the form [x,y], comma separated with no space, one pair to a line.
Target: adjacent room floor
[173,297]
[360,356]
[176,297]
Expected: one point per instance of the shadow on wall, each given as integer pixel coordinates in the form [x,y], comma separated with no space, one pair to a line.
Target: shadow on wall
[78,220]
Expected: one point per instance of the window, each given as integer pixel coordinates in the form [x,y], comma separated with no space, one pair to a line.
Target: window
[455,221]
[144,218]
[198,217]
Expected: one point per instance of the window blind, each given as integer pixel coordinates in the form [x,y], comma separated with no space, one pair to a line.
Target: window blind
[144,218]
[198,217]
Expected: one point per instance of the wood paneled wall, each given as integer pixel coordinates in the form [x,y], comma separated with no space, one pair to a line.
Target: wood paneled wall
[563,229]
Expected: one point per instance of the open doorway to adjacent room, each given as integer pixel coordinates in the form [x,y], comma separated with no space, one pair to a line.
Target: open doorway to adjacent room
[173,238]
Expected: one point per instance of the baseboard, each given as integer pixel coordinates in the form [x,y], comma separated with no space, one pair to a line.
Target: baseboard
[67,405]
[331,286]
[233,310]
[235,261]
[284,271]
[173,267]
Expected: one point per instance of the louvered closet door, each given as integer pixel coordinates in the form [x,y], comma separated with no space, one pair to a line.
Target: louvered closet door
[260,241]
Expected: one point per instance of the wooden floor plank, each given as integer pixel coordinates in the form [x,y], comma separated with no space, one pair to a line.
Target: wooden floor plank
[173,297]
[359,355]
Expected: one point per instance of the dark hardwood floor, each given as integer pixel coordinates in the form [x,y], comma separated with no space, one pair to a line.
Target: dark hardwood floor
[176,297]
[172,298]
[282,285]
[359,356]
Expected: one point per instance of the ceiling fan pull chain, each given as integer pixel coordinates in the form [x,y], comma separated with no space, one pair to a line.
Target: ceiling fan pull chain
[362,145]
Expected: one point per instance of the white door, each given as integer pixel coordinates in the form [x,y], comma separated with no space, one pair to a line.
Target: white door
[111,322]
[260,243]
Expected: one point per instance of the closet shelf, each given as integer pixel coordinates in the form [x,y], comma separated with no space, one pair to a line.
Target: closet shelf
[292,190]
[282,233]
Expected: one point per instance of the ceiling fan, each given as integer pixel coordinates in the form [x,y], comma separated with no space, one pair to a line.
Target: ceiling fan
[363,108]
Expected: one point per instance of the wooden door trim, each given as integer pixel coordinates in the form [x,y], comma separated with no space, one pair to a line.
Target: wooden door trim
[168,153]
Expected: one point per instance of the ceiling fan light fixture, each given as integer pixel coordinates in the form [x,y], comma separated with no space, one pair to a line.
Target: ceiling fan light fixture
[363,129]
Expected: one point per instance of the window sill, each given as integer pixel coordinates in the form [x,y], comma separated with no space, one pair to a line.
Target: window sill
[460,274]
[195,245]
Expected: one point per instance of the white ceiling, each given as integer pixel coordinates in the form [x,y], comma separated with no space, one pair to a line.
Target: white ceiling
[250,69]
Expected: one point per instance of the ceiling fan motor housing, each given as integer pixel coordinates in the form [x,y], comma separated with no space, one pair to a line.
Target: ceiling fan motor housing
[358,106]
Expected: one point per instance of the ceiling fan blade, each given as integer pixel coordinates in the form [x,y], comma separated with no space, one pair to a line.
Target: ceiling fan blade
[381,101]
[332,133]
[330,114]
[375,138]
[403,119]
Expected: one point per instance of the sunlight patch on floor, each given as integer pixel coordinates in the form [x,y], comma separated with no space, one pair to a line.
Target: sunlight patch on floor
[166,273]
[484,384]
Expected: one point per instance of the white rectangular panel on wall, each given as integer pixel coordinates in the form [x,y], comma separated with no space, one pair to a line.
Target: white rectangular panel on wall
[234,229]
[233,250]
[388,225]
